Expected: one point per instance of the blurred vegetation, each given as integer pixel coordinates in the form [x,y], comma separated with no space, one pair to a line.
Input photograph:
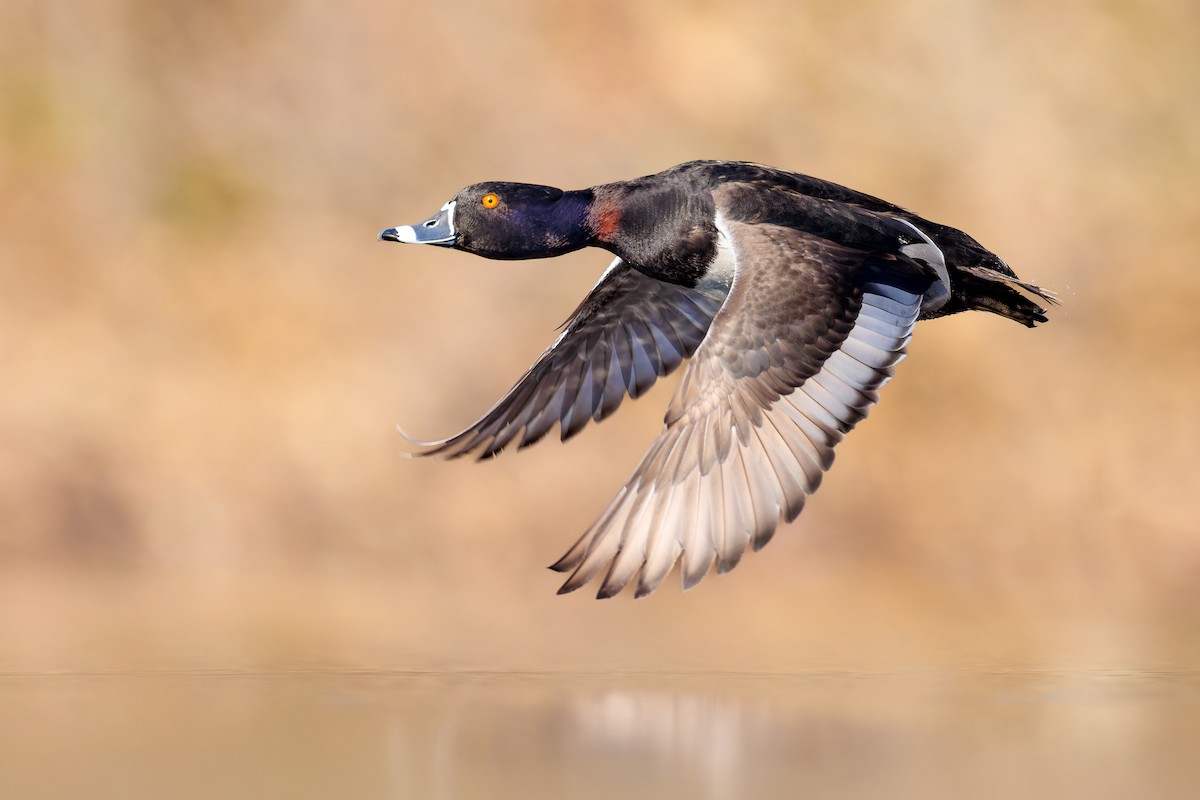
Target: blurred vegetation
[206,350]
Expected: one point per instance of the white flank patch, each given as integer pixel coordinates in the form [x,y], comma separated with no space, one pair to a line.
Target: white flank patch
[928,252]
[723,265]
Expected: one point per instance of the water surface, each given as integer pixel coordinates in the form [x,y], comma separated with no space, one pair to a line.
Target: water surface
[480,735]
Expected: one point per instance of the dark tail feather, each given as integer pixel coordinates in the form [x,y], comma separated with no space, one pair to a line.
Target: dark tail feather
[988,284]
[984,289]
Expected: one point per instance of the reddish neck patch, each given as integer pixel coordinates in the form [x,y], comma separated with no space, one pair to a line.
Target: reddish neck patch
[606,218]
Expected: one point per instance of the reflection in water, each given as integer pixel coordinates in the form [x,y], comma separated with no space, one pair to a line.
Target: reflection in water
[456,737]
[691,732]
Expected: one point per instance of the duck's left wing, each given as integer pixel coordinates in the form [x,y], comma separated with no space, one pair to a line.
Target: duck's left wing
[793,360]
[629,331]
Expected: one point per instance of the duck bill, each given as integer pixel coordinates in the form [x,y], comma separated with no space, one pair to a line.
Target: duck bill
[438,229]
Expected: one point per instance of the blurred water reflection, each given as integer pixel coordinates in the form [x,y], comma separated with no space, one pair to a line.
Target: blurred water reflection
[437,736]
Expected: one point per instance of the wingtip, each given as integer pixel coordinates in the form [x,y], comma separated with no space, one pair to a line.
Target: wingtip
[762,539]
[560,566]
[429,448]
[725,565]
[425,447]
[606,591]
[573,583]
[566,588]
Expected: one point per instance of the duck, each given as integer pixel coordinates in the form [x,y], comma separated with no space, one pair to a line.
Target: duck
[790,299]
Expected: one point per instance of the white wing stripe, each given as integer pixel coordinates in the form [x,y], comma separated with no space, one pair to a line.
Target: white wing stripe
[882,322]
[852,370]
[880,341]
[890,306]
[871,356]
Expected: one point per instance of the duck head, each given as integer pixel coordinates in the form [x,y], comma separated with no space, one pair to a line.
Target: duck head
[506,220]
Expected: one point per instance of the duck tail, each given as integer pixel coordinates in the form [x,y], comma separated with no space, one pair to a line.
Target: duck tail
[980,280]
[986,289]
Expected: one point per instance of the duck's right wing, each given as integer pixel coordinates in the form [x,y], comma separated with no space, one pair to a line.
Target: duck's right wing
[629,331]
[795,358]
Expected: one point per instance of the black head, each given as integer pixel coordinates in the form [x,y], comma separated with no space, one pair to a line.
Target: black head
[506,220]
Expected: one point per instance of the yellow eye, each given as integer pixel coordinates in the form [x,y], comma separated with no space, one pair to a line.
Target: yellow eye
[490,200]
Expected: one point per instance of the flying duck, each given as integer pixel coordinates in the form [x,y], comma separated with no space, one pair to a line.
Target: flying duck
[793,298]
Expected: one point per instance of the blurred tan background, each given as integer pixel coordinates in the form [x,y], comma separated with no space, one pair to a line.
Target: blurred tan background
[205,350]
